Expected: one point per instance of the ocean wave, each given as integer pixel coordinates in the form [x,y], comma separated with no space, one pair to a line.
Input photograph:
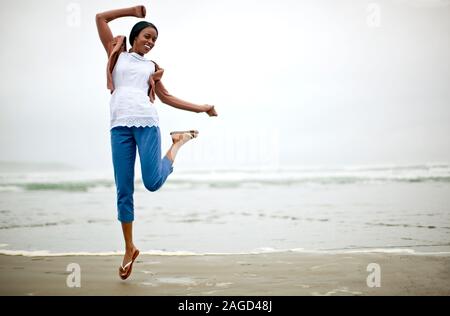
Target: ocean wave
[237,178]
[403,250]
[217,183]
[56,186]
[36,225]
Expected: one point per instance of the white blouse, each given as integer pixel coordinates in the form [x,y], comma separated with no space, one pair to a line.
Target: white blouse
[130,104]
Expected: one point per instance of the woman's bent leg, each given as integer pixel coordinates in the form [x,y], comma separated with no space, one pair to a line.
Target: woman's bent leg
[123,148]
[154,169]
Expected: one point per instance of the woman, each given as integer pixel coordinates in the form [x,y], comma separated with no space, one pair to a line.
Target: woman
[134,81]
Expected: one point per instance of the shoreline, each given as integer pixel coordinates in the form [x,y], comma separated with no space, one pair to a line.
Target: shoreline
[400,250]
[274,273]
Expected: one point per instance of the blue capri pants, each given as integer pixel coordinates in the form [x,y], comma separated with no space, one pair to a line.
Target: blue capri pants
[154,169]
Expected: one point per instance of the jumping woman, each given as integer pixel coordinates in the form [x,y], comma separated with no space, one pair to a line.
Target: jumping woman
[134,81]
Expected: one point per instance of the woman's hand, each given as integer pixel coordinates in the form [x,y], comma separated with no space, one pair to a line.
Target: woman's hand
[140,11]
[211,111]
[158,74]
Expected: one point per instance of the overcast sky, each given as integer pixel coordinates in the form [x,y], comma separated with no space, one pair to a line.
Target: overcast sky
[320,82]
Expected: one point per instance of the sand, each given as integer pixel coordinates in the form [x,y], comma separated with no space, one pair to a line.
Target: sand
[271,274]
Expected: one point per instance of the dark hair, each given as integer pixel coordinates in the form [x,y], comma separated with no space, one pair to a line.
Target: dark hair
[138,27]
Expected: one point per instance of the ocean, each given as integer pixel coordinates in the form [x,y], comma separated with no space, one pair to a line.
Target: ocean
[390,208]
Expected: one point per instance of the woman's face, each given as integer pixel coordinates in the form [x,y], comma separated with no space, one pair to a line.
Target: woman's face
[145,41]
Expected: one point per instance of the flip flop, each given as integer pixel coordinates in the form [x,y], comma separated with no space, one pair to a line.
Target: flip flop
[193,133]
[129,265]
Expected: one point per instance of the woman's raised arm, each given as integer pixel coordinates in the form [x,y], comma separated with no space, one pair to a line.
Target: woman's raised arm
[103,18]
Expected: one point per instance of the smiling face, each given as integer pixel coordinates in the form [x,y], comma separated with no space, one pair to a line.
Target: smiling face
[145,41]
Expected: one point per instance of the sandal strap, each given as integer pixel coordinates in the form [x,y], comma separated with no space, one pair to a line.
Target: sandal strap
[124,267]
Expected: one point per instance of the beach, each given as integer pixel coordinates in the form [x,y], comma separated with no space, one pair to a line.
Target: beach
[271,274]
[296,231]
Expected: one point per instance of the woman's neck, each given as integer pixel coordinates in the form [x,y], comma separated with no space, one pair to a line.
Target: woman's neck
[132,51]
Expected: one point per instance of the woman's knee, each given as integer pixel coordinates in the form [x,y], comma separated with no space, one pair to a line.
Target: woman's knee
[152,186]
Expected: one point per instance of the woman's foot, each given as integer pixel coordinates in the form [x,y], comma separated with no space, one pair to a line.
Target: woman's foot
[178,140]
[129,252]
[126,267]
[183,137]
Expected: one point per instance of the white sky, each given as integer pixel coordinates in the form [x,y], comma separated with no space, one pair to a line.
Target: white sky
[320,82]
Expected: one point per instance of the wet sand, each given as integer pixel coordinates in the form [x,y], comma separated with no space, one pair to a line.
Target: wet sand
[271,274]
